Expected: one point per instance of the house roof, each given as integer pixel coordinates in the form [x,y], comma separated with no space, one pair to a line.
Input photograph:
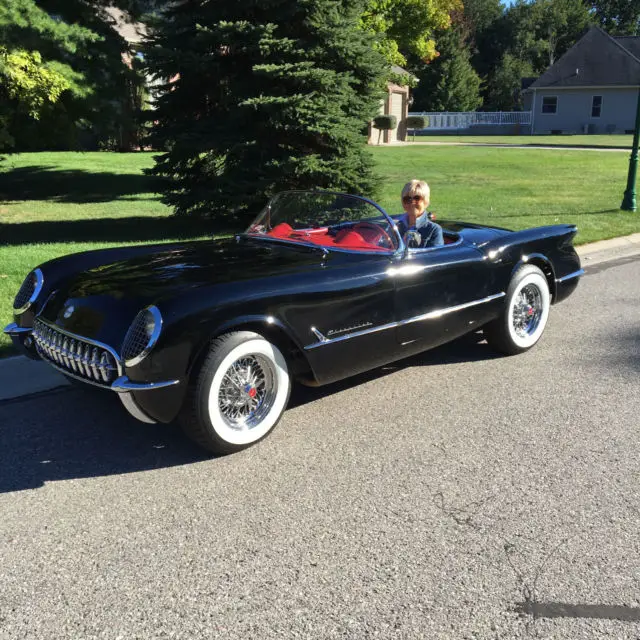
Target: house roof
[630,43]
[132,32]
[398,70]
[596,60]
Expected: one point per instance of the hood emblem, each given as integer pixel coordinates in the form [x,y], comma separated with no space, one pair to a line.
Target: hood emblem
[68,312]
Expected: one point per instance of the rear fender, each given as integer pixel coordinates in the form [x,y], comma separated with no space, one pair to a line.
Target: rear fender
[548,248]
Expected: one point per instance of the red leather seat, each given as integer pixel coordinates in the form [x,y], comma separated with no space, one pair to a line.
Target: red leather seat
[281,230]
[352,239]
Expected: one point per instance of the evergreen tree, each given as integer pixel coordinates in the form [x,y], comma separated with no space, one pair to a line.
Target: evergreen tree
[504,86]
[448,83]
[532,35]
[485,22]
[261,96]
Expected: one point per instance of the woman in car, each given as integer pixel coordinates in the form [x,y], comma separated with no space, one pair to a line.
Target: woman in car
[415,226]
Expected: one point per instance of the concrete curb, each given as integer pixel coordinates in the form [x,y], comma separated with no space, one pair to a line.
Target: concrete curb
[604,245]
[20,376]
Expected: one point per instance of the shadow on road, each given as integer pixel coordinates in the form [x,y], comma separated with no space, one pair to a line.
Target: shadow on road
[69,433]
[469,348]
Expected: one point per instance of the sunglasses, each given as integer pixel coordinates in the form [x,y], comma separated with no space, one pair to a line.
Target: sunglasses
[408,199]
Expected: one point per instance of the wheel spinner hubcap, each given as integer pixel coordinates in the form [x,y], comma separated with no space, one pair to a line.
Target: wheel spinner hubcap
[247,391]
[527,311]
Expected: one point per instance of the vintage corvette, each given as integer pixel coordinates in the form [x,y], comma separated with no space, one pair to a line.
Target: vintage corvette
[320,287]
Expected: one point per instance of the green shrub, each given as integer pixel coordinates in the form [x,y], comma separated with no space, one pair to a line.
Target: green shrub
[385,122]
[417,122]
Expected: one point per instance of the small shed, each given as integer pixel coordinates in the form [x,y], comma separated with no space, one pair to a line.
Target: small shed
[396,103]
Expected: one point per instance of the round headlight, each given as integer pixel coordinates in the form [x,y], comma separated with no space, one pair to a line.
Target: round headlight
[29,291]
[142,336]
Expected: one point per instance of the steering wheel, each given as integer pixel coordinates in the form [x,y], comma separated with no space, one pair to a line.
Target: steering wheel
[383,239]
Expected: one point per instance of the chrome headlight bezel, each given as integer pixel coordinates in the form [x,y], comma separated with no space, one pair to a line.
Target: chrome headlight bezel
[37,289]
[133,354]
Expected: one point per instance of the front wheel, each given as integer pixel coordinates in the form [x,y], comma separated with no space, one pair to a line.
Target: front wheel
[240,393]
[525,313]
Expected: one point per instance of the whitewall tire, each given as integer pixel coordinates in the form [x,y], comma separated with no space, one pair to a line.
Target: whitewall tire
[240,394]
[525,314]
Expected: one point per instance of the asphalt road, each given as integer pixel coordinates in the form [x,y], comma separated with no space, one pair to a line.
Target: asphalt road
[456,495]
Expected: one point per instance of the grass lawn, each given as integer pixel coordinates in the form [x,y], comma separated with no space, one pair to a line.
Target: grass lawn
[619,141]
[52,204]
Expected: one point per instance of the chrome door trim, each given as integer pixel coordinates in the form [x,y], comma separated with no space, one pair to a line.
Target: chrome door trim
[438,313]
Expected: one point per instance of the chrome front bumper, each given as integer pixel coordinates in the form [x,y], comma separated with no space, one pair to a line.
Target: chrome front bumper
[74,356]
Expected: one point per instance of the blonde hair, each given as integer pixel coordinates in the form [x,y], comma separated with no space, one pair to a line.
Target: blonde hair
[417,188]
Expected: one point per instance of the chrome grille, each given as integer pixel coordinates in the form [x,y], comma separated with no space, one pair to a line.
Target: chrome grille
[25,292]
[75,355]
[137,339]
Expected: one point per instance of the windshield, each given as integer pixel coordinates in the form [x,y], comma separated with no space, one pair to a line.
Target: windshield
[330,220]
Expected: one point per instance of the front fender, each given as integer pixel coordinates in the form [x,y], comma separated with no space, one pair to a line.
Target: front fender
[182,347]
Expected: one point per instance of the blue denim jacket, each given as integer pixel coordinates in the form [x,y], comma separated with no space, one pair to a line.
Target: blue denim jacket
[430,232]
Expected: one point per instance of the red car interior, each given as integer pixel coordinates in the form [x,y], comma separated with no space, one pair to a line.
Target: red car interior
[365,237]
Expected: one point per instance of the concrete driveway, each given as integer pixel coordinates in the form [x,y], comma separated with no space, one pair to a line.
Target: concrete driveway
[455,495]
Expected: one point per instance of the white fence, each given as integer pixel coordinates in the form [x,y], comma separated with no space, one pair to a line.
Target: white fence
[466,119]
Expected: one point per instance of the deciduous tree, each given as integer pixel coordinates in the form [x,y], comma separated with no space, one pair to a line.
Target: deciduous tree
[407,27]
[62,64]
[617,17]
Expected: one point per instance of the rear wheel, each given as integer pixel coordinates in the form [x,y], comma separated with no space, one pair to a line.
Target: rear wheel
[239,395]
[525,313]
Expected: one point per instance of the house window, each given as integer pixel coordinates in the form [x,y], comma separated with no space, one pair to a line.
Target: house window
[596,106]
[550,104]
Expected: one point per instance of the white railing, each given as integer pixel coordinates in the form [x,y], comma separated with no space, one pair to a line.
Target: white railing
[466,119]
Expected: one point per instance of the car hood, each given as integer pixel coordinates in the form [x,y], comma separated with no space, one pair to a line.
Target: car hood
[118,289]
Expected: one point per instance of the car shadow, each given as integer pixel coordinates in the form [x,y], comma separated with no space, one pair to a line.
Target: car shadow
[73,433]
[468,348]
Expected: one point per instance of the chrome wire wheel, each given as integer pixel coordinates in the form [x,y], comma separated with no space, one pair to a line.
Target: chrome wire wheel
[240,393]
[247,392]
[527,311]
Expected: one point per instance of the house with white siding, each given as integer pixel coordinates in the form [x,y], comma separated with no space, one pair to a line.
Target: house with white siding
[592,88]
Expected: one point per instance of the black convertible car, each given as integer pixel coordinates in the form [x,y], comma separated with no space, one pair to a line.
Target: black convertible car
[320,287]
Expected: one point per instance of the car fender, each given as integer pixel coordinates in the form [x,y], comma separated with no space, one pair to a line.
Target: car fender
[267,325]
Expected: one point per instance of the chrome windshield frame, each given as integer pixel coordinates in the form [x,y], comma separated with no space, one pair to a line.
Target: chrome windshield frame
[399,251]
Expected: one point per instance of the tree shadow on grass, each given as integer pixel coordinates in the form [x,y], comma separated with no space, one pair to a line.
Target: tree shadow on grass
[557,215]
[131,229]
[75,185]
